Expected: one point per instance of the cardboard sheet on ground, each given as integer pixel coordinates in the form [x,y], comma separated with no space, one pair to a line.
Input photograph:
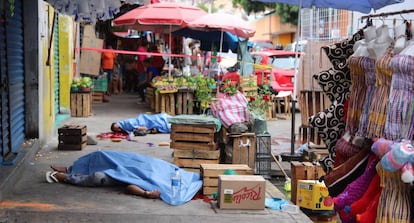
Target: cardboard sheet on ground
[144,171]
[158,121]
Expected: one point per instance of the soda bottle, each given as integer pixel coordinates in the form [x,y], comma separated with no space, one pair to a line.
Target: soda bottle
[175,186]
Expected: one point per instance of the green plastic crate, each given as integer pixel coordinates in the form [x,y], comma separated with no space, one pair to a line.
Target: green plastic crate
[100,84]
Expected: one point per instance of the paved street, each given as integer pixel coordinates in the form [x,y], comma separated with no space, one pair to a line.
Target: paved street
[32,199]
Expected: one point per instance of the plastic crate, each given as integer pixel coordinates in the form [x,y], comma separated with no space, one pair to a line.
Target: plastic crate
[100,84]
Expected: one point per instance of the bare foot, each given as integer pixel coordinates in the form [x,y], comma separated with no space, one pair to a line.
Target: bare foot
[154,194]
[59,168]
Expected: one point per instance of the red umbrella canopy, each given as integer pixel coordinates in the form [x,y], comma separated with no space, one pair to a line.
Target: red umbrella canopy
[164,13]
[224,22]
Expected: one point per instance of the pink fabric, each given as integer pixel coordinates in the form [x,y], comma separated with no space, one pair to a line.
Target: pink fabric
[230,109]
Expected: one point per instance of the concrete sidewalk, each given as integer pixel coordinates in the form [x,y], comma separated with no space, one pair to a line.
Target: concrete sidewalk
[27,197]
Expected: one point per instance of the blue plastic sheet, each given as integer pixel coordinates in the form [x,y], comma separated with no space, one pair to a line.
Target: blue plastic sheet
[158,121]
[144,171]
[275,203]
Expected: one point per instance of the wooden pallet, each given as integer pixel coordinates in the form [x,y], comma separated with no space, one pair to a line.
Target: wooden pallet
[312,102]
[309,134]
[80,104]
[303,171]
[211,172]
[193,137]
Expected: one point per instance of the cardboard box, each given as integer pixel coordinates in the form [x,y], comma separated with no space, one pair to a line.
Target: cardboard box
[245,192]
[314,195]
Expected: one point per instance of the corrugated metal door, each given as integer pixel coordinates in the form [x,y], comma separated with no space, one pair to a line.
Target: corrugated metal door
[12,81]
[56,62]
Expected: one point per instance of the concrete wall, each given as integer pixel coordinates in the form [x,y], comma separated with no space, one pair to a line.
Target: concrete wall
[46,74]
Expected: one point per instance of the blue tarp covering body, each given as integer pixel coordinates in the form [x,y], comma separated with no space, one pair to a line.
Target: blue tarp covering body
[158,121]
[144,171]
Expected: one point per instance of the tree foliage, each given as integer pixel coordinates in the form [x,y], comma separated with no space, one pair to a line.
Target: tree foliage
[287,13]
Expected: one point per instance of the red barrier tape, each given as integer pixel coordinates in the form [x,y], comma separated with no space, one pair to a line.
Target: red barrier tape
[140,53]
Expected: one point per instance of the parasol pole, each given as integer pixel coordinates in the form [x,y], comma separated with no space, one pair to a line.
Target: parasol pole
[293,137]
[169,58]
[292,156]
[221,49]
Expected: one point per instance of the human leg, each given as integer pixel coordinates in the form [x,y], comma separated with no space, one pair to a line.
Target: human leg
[61,169]
[93,180]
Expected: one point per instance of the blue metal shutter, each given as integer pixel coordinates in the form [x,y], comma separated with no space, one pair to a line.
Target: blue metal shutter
[56,62]
[4,141]
[12,81]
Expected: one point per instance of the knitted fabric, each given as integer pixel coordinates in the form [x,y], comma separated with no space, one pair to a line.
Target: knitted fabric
[345,148]
[381,147]
[356,189]
[407,173]
[361,204]
[400,154]
[369,216]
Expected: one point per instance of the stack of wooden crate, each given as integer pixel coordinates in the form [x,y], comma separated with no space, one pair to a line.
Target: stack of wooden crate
[211,172]
[194,145]
[72,137]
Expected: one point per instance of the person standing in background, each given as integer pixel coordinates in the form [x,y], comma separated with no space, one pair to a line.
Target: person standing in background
[107,63]
[142,50]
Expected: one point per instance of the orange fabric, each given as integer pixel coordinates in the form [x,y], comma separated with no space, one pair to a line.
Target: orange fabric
[108,59]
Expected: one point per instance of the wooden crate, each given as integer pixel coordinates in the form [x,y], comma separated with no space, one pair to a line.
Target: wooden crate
[249,92]
[309,134]
[98,97]
[193,137]
[165,102]
[312,102]
[279,112]
[72,137]
[303,171]
[210,173]
[243,149]
[192,159]
[80,104]
[149,95]
[248,81]
[185,102]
